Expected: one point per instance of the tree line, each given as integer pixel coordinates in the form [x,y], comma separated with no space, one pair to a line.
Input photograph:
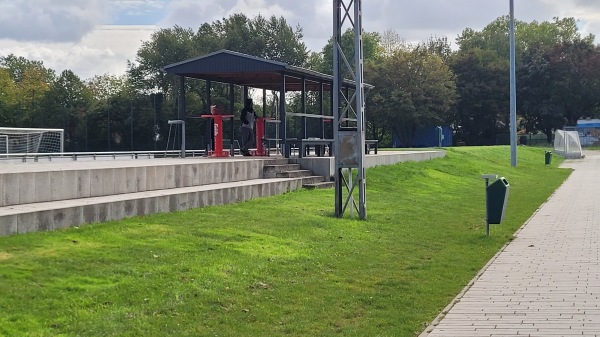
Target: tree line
[416,84]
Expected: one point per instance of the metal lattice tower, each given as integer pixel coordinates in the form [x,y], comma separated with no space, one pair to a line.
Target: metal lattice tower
[349,112]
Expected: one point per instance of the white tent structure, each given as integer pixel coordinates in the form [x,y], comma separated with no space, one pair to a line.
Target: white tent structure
[567,144]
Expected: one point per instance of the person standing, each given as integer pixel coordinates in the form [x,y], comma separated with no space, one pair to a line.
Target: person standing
[247,129]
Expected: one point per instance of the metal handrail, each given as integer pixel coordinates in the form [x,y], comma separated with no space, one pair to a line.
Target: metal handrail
[75,156]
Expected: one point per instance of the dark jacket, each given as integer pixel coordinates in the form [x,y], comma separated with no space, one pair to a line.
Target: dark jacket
[244,115]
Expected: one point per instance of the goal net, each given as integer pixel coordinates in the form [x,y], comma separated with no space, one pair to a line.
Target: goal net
[3,144]
[567,144]
[20,140]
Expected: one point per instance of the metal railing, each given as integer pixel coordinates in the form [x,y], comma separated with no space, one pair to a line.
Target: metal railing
[90,156]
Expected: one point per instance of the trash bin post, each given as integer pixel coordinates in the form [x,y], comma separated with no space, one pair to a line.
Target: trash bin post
[487,178]
[548,157]
[497,194]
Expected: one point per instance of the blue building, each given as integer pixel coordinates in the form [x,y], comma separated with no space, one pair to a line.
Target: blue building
[589,131]
[427,137]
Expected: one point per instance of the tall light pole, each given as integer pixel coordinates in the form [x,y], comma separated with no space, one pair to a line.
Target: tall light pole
[154,128]
[108,121]
[513,90]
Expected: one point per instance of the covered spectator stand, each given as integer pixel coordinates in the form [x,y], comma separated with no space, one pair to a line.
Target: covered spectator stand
[247,71]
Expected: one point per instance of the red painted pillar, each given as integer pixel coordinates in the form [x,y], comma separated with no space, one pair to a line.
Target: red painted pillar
[218,131]
[261,150]
[260,134]
[218,126]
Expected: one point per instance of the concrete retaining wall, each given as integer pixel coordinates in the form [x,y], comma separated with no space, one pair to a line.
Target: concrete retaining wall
[64,181]
[325,166]
[61,214]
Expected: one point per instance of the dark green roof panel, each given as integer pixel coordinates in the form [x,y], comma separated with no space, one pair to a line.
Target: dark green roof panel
[226,66]
[225,61]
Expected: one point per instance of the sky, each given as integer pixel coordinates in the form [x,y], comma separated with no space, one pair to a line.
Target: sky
[95,37]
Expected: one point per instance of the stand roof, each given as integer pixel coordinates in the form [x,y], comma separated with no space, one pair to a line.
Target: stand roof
[227,66]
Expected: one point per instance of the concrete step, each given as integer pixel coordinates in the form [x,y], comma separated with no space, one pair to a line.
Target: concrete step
[312,180]
[294,174]
[60,214]
[288,170]
[288,174]
[280,168]
[323,184]
[276,161]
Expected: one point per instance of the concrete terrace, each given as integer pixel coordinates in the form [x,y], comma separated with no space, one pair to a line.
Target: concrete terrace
[62,192]
[547,281]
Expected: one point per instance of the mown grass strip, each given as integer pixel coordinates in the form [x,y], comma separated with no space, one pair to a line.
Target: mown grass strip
[279,266]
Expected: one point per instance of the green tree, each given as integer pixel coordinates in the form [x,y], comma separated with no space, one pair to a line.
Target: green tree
[573,91]
[544,35]
[166,46]
[415,88]
[30,90]
[103,87]
[280,41]
[482,79]
[272,39]
[66,104]
[18,66]
[390,42]
[438,46]
[31,80]
[208,38]
[372,50]
[8,98]
[486,53]
[559,86]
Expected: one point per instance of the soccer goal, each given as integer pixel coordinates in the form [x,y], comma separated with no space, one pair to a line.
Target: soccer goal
[3,144]
[21,140]
[567,144]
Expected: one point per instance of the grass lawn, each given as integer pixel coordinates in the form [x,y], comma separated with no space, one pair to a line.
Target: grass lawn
[278,266]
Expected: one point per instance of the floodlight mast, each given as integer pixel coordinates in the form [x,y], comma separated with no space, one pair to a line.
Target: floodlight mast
[349,153]
[513,90]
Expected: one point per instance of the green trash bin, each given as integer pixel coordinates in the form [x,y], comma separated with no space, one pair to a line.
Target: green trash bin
[548,157]
[497,198]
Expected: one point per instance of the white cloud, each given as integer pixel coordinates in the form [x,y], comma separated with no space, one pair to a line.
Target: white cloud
[193,13]
[104,50]
[138,7]
[253,8]
[136,4]
[50,20]
[320,29]
[589,4]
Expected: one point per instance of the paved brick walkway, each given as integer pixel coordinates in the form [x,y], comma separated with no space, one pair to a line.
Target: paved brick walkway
[547,281]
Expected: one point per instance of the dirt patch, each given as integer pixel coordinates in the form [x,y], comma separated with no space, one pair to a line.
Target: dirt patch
[5,256]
